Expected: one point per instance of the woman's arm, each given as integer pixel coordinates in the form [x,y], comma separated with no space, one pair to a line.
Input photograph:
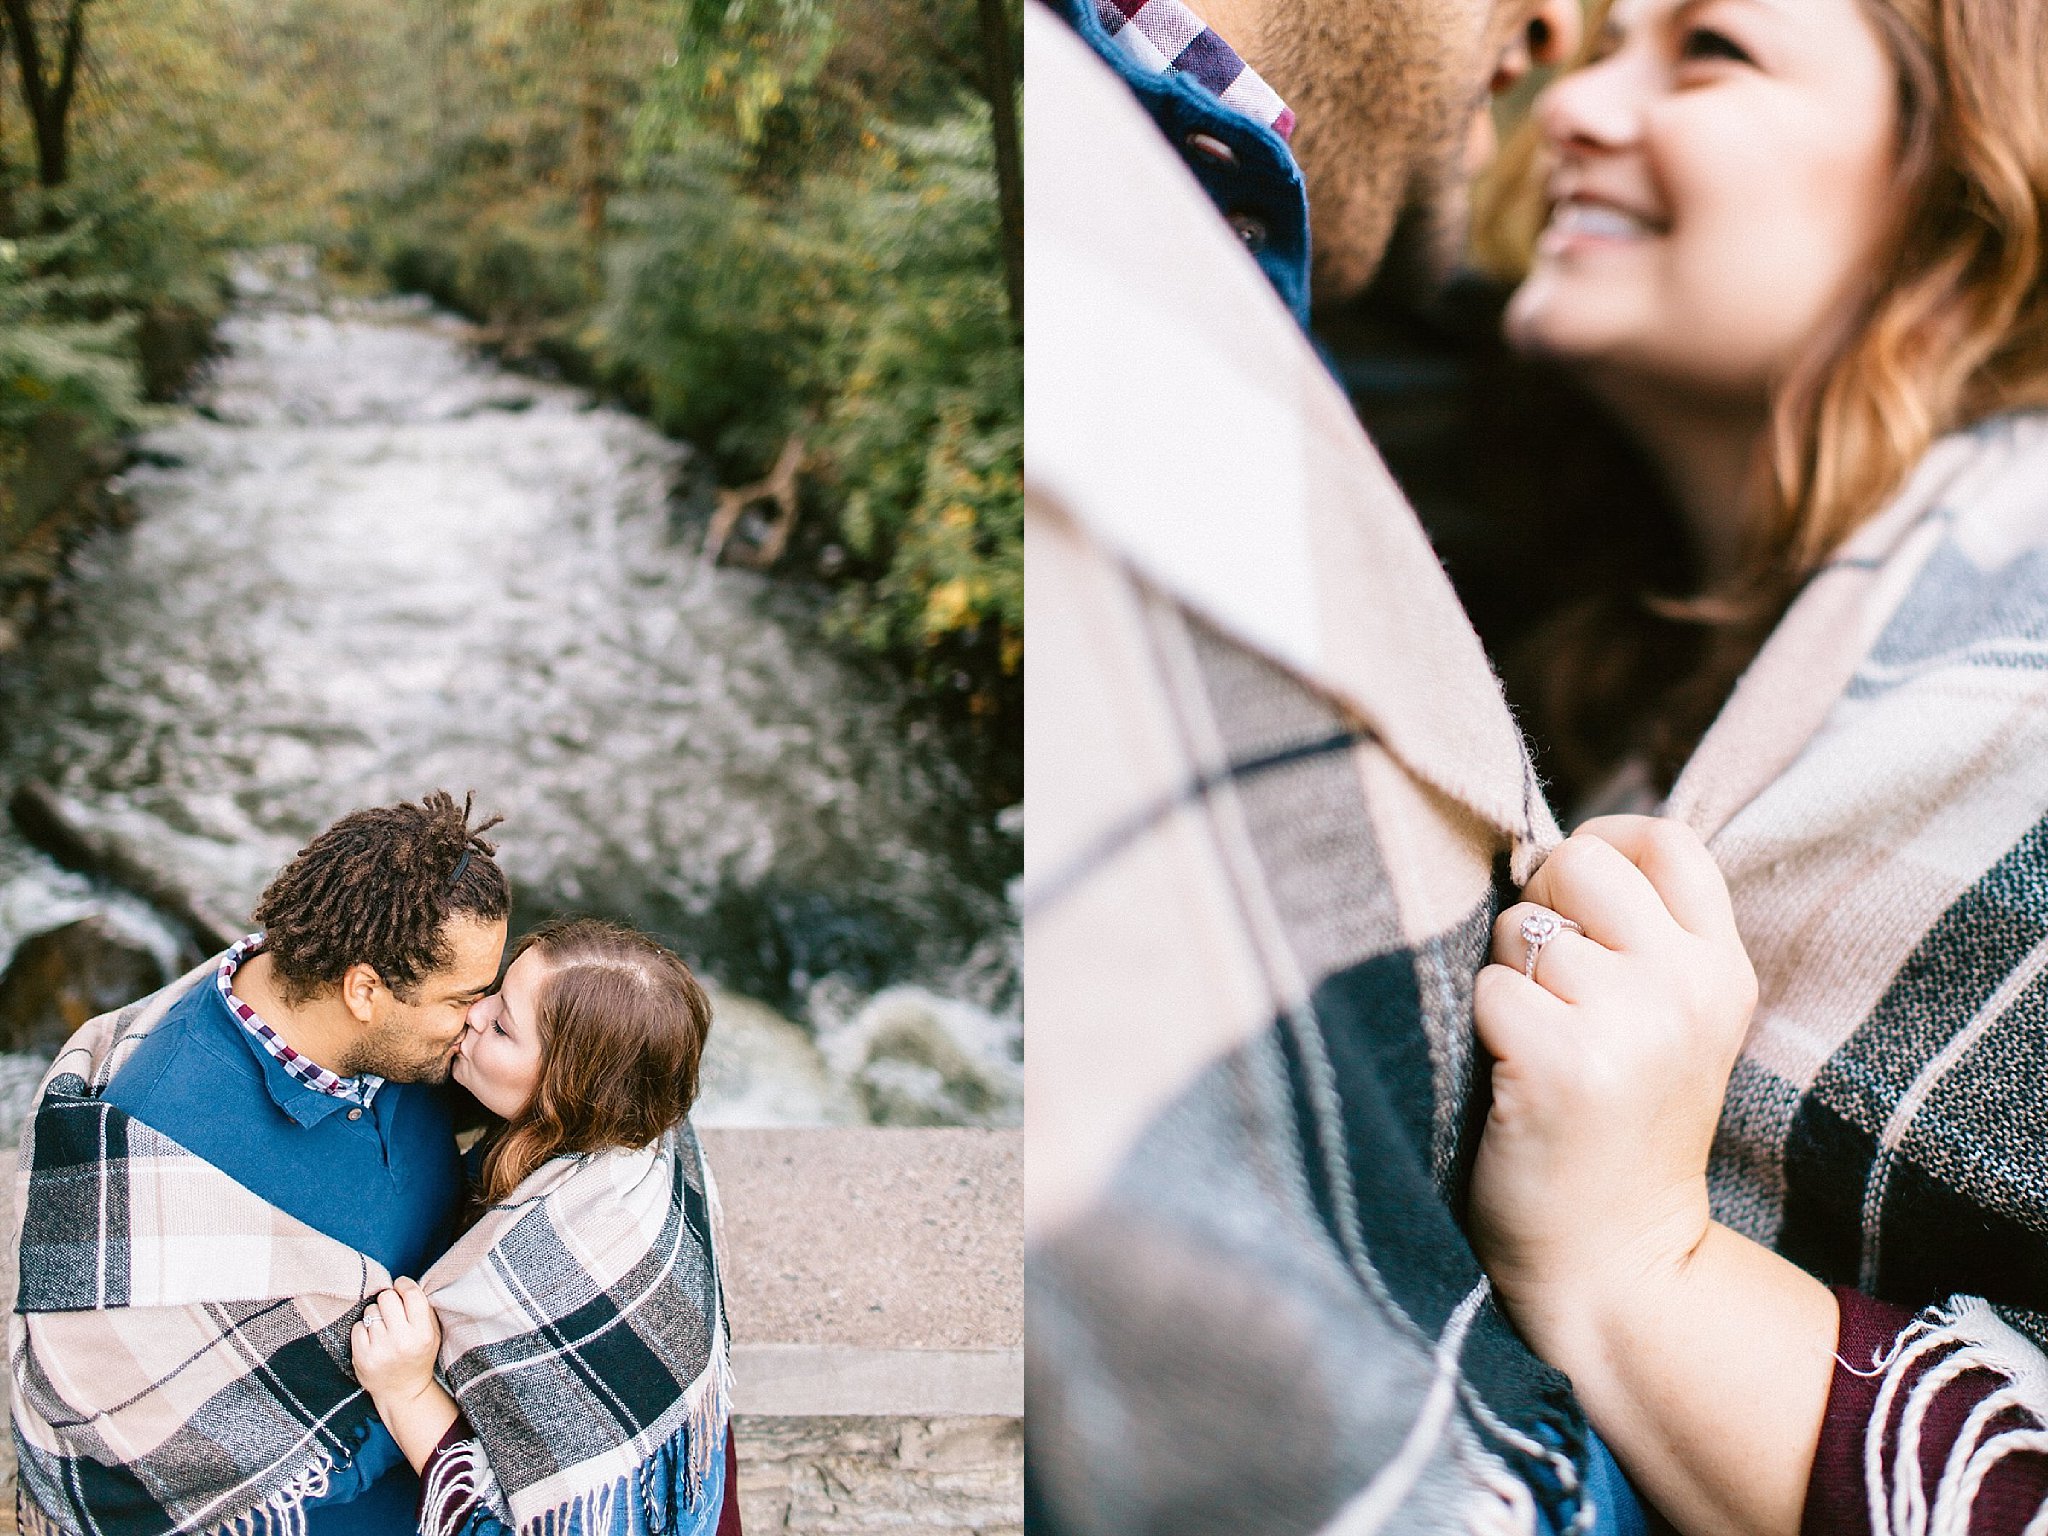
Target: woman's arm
[1702,1358]
[1708,1375]
[393,1350]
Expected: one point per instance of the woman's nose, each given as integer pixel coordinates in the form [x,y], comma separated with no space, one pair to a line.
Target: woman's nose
[1598,106]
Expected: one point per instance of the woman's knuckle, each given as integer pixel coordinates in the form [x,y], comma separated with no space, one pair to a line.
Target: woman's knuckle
[1665,834]
[1569,857]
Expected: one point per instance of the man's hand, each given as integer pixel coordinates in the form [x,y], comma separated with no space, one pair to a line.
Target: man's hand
[1611,1065]
[394,1346]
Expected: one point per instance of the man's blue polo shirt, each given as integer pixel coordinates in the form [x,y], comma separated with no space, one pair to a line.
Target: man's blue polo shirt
[1245,167]
[386,1180]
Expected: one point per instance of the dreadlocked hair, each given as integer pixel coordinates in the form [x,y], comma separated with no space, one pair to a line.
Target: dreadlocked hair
[378,888]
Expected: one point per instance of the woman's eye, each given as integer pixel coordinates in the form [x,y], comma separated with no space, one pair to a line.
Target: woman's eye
[497,1028]
[1706,43]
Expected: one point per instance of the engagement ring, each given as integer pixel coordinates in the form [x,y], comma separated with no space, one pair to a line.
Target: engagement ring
[1538,929]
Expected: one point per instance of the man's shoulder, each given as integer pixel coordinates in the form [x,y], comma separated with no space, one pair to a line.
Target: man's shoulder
[187,1040]
[1242,165]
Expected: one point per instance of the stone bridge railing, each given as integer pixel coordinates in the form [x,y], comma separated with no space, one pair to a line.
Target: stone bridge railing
[875,1282]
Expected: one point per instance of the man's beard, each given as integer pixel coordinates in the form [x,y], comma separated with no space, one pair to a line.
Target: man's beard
[393,1052]
[1431,232]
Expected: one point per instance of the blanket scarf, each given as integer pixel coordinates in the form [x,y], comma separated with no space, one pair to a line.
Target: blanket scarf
[584,1335]
[1259,880]
[1276,800]
[179,1353]
[1876,793]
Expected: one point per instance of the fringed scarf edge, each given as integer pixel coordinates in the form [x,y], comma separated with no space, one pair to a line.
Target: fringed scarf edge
[680,1466]
[281,1513]
[1962,1335]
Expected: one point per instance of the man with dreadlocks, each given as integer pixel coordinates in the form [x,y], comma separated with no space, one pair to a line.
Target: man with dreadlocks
[221,1173]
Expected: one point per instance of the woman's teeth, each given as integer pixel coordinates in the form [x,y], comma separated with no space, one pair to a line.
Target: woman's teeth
[1598,220]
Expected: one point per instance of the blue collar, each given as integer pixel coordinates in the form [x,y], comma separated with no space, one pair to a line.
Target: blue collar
[1243,165]
[303,1105]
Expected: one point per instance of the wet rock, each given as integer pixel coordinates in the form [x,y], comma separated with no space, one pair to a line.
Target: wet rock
[59,829]
[61,978]
[919,1059]
[761,1069]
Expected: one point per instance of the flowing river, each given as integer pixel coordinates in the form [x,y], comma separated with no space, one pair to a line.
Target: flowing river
[367,562]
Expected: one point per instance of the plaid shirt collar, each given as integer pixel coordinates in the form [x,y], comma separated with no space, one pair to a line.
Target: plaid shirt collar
[356,1090]
[1164,36]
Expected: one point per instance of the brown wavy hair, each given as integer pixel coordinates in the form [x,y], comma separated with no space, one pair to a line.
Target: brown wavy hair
[1950,327]
[622,1025]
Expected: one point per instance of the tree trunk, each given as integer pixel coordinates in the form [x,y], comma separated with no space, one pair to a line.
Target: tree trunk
[48,101]
[6,169]
[592,123]
[999,86]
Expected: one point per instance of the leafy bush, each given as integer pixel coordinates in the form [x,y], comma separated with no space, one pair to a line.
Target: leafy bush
[925,418]
[863,306]
[84,368]
[107,307]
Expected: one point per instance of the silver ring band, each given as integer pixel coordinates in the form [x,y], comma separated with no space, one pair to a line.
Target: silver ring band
[1538,929]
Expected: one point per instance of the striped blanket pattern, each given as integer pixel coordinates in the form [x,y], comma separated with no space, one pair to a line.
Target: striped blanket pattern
[180,1350]
[1269,772]
[584,1335]
[1259,879]
[1876,793]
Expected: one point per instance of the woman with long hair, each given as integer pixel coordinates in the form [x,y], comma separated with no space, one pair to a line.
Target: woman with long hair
[1766,1169]
[578,1322]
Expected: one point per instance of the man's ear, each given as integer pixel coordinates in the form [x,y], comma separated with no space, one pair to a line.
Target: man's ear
[360,986]
[1555,32]
[1548,37]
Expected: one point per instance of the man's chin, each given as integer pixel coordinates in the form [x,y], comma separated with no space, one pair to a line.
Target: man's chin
[429,1072]
[1427,245]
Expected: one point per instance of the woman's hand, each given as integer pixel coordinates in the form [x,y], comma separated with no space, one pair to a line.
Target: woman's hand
[1703,1359]
[393,1350]
[394,1346]
[1610,1068]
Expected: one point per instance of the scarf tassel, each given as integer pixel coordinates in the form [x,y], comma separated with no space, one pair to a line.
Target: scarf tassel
[1941,1346]
[282,1514]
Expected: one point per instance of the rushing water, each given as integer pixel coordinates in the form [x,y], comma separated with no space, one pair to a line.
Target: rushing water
[367,563]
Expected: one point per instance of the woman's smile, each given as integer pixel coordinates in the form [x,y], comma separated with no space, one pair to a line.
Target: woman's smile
[1717,175]
[1582,221]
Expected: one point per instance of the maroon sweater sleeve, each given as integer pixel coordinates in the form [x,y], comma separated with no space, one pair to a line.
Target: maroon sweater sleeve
[457,1432]
[1837,1503]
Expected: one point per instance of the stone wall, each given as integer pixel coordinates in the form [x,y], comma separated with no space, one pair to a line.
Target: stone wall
[875,1282]
[842,1476]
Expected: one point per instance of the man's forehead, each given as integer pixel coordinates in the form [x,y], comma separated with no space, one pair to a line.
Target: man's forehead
[475,947]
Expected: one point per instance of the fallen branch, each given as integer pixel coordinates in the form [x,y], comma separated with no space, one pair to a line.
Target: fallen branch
[779,488]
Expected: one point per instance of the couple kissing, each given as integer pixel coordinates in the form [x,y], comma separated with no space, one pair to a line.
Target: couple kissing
[263,1290]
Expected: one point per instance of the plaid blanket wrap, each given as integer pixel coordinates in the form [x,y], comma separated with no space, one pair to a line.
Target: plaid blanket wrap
[584,1335]
[1875,793]
[180,1352]
[1259,880]
[1273,792]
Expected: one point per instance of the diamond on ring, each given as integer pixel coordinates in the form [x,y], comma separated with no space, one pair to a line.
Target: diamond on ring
[1538,929]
